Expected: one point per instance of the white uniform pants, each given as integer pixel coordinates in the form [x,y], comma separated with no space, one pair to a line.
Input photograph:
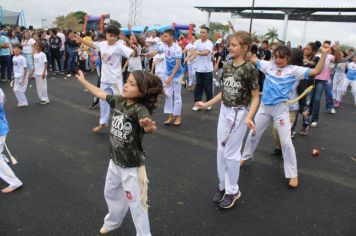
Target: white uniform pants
[41,85]
[104,105]
[191,74]
[19,90]
[173,104]
[122,191]
[338,86]
[5,171]
[279,114]
[228,156]
[347,83]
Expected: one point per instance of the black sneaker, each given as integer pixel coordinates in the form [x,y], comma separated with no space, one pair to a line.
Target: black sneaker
[229,200]
[219,196]
[276,152]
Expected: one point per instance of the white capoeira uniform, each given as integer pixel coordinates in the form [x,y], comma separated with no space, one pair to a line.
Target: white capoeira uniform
[122,192]
[277,88]
[173,104]
[111,73]
[5,171]
[350,80]
[191,65]
[19,64]
[338,81]
[41,84]
[160,65]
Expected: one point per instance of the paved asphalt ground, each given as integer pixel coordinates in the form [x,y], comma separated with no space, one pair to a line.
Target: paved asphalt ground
[63,167]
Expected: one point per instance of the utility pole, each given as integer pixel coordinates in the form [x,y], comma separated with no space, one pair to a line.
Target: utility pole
[135,12]
[253,8]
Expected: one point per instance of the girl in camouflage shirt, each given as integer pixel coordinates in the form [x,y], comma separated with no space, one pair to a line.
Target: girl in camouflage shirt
[126,180]
[240,88]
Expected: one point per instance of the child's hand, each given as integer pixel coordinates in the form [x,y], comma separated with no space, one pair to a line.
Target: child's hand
[168,81]
[250,124]
[80,75]
[148,125]
[201,105]
[43,75]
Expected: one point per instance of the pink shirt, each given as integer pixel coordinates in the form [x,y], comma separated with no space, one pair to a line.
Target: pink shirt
[325,73]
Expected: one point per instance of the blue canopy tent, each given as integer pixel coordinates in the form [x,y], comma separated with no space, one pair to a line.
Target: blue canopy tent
[140,29]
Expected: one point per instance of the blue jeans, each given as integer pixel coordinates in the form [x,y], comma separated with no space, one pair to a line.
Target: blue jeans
[329,95]
[204,83]
[61,55]
[5,63]
[71,62]
[320,85]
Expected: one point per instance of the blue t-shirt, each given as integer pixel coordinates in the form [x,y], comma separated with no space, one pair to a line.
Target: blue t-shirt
[4,51]
[279,82]
[351,71]
[171,53]
[4,126]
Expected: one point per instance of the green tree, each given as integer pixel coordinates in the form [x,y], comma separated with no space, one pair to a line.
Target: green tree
[272,34]
[217,28]
[80,15]
[345,47]
[115,23]
[68,22]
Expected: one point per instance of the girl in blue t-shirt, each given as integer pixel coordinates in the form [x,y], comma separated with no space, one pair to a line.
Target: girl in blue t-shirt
[5,171]
[277,87]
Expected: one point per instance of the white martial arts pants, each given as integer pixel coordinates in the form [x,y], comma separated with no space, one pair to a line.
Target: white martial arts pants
[173,104]
[347,83]
[228,156]
[122,191]
[104,105]
[19,90]
[338,85]
[41,85]
[279,113]
[5,171]
[191,74]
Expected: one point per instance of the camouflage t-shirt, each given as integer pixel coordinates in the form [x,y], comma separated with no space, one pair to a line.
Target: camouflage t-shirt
[238,83]
[126,133]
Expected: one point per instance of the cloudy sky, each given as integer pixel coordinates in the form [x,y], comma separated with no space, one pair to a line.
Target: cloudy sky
[182,11]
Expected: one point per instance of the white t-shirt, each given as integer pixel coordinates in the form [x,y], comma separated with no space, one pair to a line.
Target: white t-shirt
[39,61]
[27,46]
[135,62]
[203,63]
[189,52]
[19,62]
[63,38]
[153,43]
[159,60]
[111,55]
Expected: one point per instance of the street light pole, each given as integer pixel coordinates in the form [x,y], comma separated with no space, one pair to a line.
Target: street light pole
[43,20]
[253,7]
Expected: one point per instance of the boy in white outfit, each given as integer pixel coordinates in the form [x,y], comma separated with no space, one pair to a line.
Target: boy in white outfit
[5,171]
[40,70]
[111,52]
[21,77]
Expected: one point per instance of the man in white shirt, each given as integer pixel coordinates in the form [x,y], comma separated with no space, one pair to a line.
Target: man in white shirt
[62,48]
[111,52]
[203,67]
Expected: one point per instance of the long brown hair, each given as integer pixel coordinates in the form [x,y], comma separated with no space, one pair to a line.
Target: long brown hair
[150,87]
[244,39]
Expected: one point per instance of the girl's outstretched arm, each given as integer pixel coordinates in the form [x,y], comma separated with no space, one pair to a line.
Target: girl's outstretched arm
[214,100]
[97,92]
[148,124]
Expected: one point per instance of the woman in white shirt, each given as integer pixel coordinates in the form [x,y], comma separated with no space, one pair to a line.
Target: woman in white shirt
[27,51]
